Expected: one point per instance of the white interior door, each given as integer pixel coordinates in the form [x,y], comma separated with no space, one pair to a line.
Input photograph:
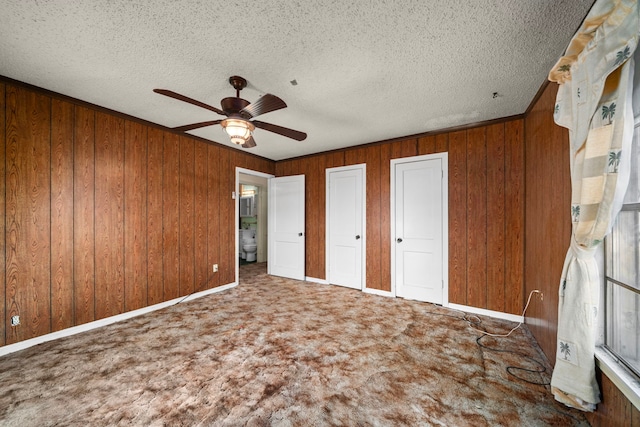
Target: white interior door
[345,226]
[286,255]
[418,241]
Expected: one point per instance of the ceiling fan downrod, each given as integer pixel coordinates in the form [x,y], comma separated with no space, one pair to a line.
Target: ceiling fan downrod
[238,84]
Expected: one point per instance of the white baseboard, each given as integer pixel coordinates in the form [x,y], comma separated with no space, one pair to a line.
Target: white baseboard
[12,348]
[378,292]
[489,313]
[315,280]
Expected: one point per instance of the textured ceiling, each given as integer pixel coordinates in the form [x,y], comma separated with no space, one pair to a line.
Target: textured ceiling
[365,70]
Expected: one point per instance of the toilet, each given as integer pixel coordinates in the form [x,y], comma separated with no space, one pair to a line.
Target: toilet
[249,246]
[243,235]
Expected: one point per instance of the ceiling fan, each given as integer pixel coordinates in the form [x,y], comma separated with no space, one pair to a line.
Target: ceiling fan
[240,113]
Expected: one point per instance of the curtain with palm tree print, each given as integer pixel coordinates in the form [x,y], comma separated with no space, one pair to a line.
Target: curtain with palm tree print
[594,103]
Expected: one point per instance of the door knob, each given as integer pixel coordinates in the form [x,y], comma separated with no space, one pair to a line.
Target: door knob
[399,240]
[299,234]
[358,237]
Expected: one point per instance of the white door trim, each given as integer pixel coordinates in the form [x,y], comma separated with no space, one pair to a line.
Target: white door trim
[445,219]
[240,170]
[363,168]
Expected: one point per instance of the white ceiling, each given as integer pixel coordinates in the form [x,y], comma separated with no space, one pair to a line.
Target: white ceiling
[366,70]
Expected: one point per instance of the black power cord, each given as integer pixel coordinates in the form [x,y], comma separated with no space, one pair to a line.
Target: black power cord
[477,324]
[541,368]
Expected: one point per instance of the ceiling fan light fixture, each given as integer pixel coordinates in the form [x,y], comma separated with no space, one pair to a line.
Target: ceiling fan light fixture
[238,130]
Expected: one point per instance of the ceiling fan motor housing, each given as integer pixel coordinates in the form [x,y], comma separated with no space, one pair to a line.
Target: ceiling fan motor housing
[233,106]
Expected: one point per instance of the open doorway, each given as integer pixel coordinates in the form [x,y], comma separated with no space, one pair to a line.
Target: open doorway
[251,218]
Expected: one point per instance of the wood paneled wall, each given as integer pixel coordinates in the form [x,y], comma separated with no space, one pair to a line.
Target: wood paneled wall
[615,409]
[548,228]
[548,235]
[102,214]
[486,210]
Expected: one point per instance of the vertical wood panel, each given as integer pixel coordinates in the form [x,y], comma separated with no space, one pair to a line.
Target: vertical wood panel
[62,118]
[315,219]
[283,168]
[213,209]
[227,220]
[28,217]
[109,213]
[514,216]
[354,156]
[258,164]
[495,218]
[318,169]
[83,215]
[155,288]
[373,267]
[543,180]
[241,159]
[535,159]
[544,142]
[135,216]
[427,145]
[442,143]
[335,159]
[187,216]
[286,168]
[404,148]
[477,218]
[384,254]
[458,217]
[293,168]
[615,410]
[171,215]
[279,169]
[267,166]
[202,268]
[2,216]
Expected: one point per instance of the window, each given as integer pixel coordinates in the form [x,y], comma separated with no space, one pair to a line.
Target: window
[622,273]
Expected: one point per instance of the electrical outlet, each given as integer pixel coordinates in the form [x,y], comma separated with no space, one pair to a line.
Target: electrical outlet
[15,320]
[215,268]
[541,296]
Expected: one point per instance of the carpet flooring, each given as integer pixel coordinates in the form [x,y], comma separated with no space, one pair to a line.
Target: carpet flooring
[280,352]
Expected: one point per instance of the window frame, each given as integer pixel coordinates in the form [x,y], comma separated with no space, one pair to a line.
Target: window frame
[619,371]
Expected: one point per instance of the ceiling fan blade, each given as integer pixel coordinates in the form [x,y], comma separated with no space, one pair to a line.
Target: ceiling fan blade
[265,104]
[289,133]
[250,143]
[192,101]
[196,125]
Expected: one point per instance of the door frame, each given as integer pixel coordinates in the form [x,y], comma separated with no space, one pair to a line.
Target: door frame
[236,221]
[445,219]
[363,168]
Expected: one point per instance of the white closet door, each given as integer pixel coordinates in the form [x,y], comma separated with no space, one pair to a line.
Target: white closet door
[286,254]
[345,226]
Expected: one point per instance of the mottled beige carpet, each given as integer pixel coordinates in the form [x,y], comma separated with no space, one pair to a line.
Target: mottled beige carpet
[280,352]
